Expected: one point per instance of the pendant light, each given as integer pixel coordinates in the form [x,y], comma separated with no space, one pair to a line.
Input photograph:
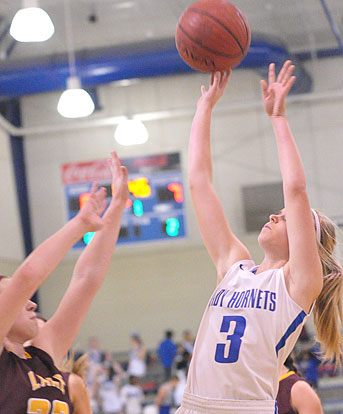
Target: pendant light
[74,102]
[131,132]
[31,23]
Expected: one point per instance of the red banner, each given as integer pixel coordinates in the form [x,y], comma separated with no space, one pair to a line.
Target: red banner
[83,172]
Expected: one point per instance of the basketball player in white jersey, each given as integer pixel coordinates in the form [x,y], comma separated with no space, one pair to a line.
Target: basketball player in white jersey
[256,313]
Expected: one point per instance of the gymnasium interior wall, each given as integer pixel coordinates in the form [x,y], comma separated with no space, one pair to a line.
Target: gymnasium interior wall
[154,287]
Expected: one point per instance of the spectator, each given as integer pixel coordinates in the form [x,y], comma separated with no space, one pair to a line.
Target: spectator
[311,370]
[304,335]
[167,351]
[165,395]
[132,396]
[182,358]
[188,341]
[181,364]
[180,387]
[107,361]
[107,389]
[137,364]
[94,356]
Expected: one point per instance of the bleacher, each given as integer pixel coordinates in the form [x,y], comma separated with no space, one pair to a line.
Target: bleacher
[330,388]
[330,391]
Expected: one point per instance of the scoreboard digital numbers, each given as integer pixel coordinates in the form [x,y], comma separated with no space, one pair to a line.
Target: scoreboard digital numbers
[155,208]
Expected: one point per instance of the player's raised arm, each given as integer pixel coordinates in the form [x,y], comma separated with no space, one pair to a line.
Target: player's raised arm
[222,245]
[57,336]
[16,292]
[305,279]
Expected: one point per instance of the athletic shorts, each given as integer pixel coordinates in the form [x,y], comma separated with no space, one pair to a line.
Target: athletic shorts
[192,404]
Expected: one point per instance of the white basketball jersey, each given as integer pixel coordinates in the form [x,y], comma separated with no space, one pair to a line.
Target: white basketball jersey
[248,329]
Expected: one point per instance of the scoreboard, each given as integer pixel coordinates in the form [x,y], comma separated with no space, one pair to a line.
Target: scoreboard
[155,209]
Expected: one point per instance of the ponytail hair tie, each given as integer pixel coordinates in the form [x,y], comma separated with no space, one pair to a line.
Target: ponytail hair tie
[317,224]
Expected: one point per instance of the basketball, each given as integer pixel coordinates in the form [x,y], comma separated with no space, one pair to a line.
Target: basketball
[212,35]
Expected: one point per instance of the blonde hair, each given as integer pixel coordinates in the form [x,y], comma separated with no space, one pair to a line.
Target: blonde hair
[328,309]
[78,367]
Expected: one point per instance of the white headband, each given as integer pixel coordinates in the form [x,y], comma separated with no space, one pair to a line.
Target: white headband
[317,224]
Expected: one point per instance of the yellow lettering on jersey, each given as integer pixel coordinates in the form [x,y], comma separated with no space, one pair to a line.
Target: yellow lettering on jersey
[62,384]
[38,381]
[60,407]
[38,406]
[44,381]
[34,383]
[54,383]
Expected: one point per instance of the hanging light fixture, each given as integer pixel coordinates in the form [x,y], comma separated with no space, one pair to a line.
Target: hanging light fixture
[131,132]
[74,102]
[31,23]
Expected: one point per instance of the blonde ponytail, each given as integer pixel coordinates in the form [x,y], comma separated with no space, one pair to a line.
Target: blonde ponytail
[328,309]
[78,367]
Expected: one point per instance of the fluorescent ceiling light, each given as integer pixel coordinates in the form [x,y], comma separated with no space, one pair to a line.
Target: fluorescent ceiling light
[75,102]
[31,24]
[131,132]
[125,5]
[125,82]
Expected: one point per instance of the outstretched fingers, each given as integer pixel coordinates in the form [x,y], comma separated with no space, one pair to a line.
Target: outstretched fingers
[215,79]
[216,87]
[287,75]
[114,161]
[225,78]
[264,88]
[271,74]
[102,202]
[100,199]
[119,177]
[116,166]
[94,188]
[98,194]
[124,172]
[285,72]
[289,84]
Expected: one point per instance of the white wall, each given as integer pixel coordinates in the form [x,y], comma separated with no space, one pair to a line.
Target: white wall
[153,288]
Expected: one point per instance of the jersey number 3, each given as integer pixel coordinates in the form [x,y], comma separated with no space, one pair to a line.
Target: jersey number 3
[228,357]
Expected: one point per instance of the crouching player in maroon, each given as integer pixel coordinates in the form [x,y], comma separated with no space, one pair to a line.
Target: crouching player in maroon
[29,380]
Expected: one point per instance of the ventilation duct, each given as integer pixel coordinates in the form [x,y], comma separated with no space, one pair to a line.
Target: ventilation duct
[96,67]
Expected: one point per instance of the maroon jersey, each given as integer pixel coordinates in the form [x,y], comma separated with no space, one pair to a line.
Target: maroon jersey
[32,385]
[283,398]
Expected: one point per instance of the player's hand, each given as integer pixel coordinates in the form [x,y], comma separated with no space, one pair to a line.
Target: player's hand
[274,93]
[119,178]
[92,210]
[219,81]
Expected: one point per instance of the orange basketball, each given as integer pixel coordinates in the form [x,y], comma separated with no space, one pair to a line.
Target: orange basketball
[212,35]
